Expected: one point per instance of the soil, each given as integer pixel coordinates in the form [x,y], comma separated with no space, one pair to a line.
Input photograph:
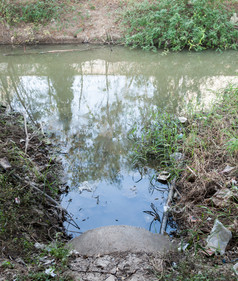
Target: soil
[84,21]
[95,21]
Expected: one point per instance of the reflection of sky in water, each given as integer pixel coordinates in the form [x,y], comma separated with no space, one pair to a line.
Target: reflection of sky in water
[88,106]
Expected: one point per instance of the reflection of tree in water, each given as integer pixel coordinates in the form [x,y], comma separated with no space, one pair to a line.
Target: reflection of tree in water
[95,148]
[96,151]
[62,81]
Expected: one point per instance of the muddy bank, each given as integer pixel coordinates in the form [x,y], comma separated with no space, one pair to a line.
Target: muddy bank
[30,213]
[82,22]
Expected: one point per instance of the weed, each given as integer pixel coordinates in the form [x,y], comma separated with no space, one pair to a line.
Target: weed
[34,12]
[232,145]
[178,24]
[157,141]
[7,264]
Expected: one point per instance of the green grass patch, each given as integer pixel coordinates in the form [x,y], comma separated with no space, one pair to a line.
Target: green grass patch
[14,12]
[180,24]
[156,141]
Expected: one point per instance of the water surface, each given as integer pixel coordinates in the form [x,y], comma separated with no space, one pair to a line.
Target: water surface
[90,98]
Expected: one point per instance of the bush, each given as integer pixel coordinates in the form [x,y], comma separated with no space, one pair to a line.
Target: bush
[32,12]
[175,25]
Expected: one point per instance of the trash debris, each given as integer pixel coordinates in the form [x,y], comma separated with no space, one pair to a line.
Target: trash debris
[233,227]
[39,246]
[50,271]
[235,267]
[86,186]
[17,200]
[183,247]
[163,176]
[73,253]
[182,120]
[218,238]
[192,219]
[177,156]
[5,163]
[222,197]
[234,19]
[227,170]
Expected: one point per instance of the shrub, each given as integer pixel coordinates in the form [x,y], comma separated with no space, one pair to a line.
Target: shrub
[32,12]
[175,25]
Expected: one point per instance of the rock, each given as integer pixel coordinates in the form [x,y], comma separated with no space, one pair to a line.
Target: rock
[120,238]
[218,238]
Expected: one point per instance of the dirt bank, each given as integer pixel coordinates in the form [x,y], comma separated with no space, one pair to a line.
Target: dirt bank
[83,22]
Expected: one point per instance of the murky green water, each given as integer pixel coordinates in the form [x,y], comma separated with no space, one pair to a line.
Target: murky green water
[88,100]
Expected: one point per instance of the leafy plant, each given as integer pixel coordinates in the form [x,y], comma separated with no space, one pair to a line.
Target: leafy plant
[34,12]
[157,141]
[178,24]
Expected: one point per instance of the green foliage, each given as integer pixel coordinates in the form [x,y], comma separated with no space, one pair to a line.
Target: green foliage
[157,140]
[7,264]
[33,12]
[175,25]
[232,145]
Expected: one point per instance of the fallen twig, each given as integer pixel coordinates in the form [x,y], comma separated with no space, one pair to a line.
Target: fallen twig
[50,52]
[166,207]
[26,132]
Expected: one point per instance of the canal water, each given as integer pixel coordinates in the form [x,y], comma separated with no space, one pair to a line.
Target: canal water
[88,98]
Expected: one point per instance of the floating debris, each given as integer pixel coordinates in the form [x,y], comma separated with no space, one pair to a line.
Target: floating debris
[163,176]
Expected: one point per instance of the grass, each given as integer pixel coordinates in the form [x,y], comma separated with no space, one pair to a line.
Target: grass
[210,146]
[180,24]
[26,216]
[209,143]
[157,141]
[14,12]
